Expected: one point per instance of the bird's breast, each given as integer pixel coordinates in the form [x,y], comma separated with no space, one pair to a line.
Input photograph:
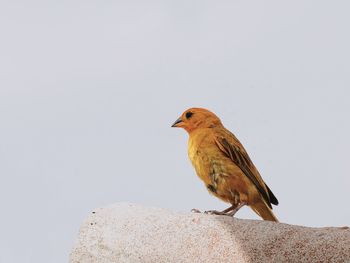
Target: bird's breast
[221,176]
[205,157]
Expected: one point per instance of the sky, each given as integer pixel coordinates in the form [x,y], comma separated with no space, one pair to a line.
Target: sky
[89,89]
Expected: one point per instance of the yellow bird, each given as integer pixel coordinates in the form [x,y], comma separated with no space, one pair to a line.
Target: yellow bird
[224,166]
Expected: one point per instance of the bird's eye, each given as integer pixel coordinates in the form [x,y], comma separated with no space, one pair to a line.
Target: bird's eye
[189,114]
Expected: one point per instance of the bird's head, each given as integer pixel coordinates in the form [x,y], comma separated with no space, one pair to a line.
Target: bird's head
[197,118]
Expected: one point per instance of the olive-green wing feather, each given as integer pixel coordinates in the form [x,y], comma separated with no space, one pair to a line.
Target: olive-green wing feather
[235,151]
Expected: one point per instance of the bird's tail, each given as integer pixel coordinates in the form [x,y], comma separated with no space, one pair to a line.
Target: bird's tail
[264,211]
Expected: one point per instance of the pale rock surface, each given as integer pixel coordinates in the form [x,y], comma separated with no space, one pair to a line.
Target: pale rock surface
[131,233]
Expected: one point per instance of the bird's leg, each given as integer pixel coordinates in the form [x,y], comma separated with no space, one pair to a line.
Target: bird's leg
[234,210]
[214,212]
[230,211]
[224,212]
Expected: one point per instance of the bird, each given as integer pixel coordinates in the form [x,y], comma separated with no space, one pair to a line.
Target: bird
[224,166]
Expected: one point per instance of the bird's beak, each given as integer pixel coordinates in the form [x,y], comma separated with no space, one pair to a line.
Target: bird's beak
[177,122]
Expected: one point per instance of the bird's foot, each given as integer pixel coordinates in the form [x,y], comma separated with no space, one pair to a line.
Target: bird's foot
[231,211]
[209,212]
[214,212]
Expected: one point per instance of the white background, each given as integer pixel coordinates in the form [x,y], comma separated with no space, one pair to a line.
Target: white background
[89,89]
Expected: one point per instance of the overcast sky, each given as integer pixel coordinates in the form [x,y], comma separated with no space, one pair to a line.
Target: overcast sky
[89,89]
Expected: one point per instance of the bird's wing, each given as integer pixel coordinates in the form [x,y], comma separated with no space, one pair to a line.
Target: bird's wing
[233,149]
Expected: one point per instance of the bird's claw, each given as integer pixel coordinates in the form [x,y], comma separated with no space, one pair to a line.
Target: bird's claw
[209,212]
[213,212]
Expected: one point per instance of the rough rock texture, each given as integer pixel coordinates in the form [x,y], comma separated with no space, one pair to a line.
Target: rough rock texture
[131,233]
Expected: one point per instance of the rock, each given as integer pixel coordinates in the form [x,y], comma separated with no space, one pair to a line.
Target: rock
[131,233]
